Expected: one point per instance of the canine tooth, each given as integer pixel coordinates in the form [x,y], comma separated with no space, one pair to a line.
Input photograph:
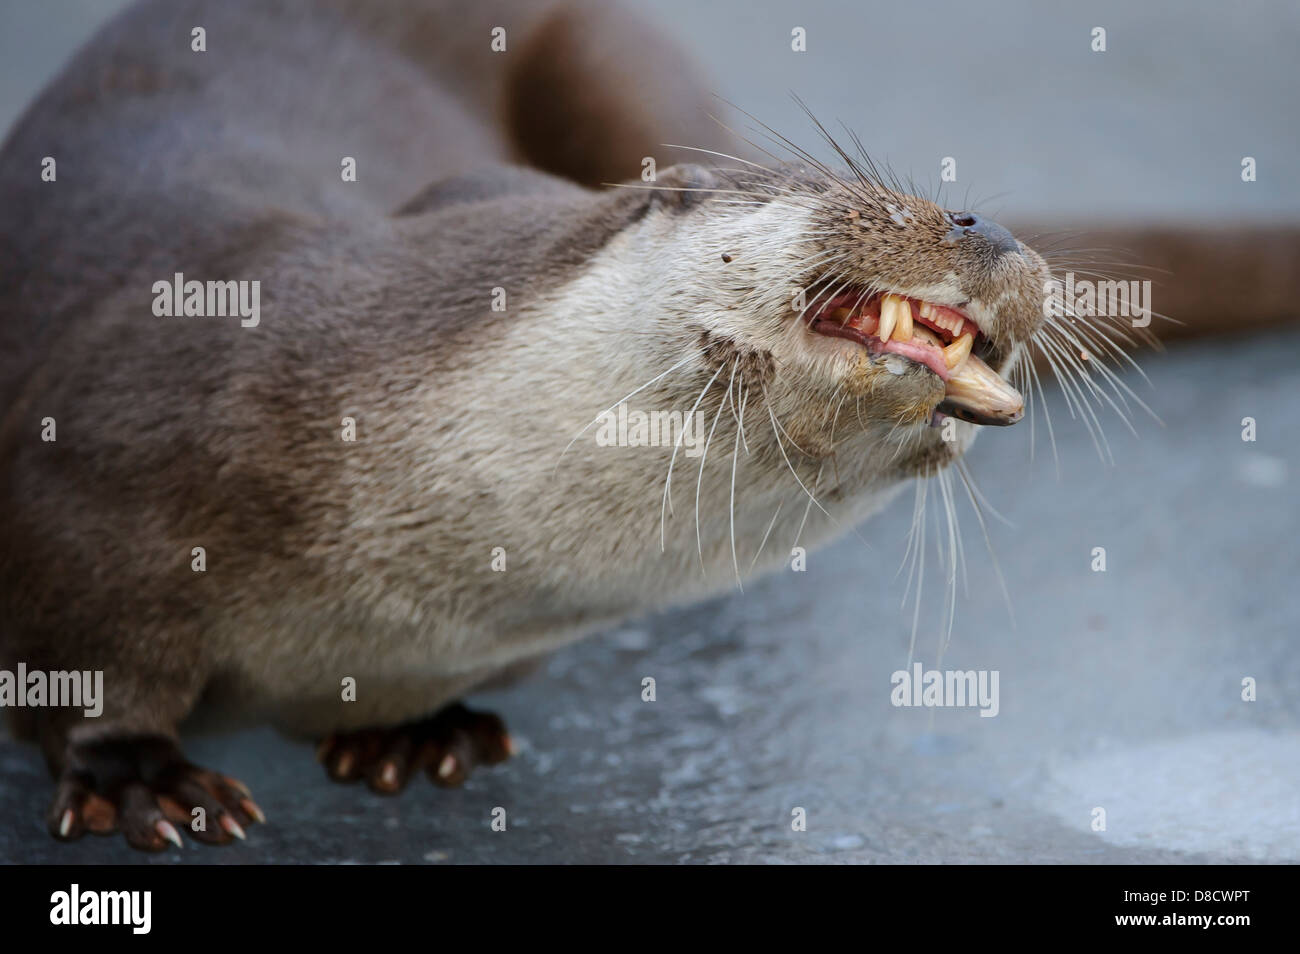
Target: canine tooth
[904,330]
[977,389]
[956,352]
[888,317]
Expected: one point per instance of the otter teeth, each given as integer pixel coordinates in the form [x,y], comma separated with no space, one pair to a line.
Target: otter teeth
[949,323]
[956,352]
[895,319]
[904,331]
[888,317]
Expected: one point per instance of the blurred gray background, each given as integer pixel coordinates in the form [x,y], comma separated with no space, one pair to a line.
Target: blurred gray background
[1154,128]
[1119,690]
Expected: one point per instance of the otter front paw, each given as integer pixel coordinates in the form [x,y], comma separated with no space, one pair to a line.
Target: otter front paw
[144,787]
[447,746]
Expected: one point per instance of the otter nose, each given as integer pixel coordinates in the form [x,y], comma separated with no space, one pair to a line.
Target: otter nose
[968,225]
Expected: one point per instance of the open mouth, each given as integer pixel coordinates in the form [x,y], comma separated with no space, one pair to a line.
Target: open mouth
[937,337]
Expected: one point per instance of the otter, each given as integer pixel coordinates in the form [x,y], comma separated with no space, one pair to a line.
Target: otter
[385,493]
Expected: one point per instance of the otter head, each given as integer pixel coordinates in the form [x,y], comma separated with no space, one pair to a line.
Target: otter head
[878,324]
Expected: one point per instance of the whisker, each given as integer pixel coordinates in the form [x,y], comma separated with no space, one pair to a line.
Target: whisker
[1047,413]
[973,493]
[735,454]
[767,533]
[667,503]
[595,420]
[699,481]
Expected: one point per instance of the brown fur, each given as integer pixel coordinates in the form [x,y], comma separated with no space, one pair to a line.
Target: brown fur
[371,559]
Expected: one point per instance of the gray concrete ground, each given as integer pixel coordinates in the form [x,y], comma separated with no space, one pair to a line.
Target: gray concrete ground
[1119,690]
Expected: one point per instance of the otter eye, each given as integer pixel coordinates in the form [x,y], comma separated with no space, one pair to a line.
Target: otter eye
[963,219]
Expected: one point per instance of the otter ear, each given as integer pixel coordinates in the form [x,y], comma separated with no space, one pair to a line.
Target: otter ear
[685,185]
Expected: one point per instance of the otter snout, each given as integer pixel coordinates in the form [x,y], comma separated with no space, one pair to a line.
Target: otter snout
[969,227]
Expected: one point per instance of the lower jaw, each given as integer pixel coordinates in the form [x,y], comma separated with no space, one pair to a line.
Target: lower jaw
[917,354]
[977,395]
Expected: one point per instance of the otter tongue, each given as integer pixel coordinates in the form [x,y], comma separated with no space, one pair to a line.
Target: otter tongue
[977,394]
